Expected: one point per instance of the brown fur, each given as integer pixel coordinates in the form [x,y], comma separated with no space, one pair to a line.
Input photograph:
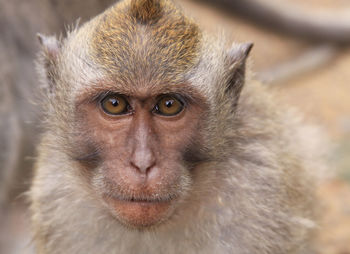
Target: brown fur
[243,166]
[146,11]
[124,46]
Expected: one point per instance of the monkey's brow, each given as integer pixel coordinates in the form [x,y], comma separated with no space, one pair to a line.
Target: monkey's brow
[189,92]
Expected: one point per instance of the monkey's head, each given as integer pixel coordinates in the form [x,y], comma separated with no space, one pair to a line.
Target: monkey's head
[129,98]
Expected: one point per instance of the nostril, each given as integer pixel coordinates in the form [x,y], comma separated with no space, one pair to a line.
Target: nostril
[143,168]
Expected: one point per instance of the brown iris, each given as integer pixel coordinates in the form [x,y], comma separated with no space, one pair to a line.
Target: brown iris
[169,106]
[114,104]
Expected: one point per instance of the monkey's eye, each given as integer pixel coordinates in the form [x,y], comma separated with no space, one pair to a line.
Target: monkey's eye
[168,105]
[115,104]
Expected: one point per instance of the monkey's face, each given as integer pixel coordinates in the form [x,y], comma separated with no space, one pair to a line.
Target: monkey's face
[137,87]
[141,145]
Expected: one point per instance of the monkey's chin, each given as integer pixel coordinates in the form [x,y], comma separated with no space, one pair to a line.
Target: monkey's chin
[140,214]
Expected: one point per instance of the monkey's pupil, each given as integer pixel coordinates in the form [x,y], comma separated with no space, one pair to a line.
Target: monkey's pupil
[114,102]
[169,103]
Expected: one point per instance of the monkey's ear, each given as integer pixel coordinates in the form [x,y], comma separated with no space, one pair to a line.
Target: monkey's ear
[236,60]
[50,51]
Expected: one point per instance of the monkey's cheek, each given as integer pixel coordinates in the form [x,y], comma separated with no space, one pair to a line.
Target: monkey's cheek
[141,214]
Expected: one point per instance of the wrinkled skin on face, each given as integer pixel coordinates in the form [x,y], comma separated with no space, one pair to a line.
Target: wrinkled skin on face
[140,169]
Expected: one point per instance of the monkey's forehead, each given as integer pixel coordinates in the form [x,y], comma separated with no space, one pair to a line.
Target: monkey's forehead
[116,46]
[133,38]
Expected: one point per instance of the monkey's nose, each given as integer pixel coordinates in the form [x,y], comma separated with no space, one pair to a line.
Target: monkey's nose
[143,160]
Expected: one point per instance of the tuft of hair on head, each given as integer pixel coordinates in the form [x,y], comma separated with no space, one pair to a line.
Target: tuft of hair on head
[146,11]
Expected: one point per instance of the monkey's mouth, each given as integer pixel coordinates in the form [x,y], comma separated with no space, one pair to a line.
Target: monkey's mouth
[154,198]
[147,200]
[141,212]
[140,200]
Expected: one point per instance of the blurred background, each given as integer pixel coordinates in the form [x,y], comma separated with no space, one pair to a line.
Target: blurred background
[300,52]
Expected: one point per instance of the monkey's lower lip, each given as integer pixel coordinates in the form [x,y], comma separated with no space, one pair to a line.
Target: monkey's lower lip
[140,212]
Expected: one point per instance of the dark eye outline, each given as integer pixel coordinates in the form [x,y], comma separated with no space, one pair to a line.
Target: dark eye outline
[128,108]
[177,97]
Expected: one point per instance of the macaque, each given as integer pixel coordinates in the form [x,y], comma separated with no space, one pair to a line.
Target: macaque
[158,141]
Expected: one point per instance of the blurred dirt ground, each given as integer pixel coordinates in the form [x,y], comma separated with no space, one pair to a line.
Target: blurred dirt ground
[323,95]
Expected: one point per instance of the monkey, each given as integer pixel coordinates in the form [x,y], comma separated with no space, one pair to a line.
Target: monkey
[57,14]
[158,141]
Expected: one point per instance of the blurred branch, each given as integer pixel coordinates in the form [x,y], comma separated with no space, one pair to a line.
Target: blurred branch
[306,62]
[291,19]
